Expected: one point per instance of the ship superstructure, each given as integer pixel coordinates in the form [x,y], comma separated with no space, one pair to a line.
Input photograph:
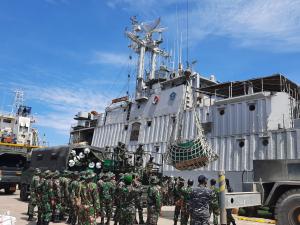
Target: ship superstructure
[243,120]
[16,130]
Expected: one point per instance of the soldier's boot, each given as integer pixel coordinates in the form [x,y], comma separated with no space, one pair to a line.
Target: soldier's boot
[141,219]
[107,221]
[69,220]
[56,218]
[102,220]
[175,222]
[30,217]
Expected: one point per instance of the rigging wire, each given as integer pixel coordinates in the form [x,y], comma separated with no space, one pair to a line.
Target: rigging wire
[187,32]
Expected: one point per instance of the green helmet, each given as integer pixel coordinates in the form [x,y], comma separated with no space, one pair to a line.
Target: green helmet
[154,180]
[89,175]
[128,179]
[37,171]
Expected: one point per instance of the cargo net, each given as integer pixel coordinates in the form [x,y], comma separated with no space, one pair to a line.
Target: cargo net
[192,154]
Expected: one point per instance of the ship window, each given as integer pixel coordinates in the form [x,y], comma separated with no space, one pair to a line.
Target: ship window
[222,112]
[252,107]
[265,142]
[149,123]
[5,120]
[241,144]
[126,127]
[138,106]
[135,131]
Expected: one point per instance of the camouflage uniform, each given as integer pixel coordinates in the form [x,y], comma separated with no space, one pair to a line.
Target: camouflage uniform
[214,205]
[185,214]
[127,202]
[178,200]
[119,187]
[56,202]
[106,191]
[153,201]
[74,194]
[199,205]
[35,182]
[90,204]
[45,192]
[138,200]
[64,181]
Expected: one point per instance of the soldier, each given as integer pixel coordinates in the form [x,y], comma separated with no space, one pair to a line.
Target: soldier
[56,202]
[74,197]
[200,199]
[39,194]
[90,204]
[139,161]
[153,201]
[119,187]
[138,200]
[127,202]
[64,181]
[106,191]
[214,205]
[177,198]
[186,193]
[171,187]
[35,182]
[230,218]
[46,193]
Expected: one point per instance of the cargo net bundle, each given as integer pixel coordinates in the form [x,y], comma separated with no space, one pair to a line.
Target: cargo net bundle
[192,154]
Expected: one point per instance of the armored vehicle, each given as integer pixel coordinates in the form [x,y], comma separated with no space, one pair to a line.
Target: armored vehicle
[58,158]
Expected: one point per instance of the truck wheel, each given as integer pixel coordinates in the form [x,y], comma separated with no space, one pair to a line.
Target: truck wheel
[23,193]
[287,210]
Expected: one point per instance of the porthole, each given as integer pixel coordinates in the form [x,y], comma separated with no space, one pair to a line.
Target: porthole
[252,107]
[265,142]
[149,123]
[126,127]
[241,144]
[222,112]
[138,106]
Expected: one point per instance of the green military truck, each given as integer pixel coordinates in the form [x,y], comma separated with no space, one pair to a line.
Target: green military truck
[276,185]
[12,162]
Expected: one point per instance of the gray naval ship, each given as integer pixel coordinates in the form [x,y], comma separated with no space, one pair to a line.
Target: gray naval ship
[237,121]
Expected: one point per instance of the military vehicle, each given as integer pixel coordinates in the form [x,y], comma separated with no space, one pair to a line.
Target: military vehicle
[58,158]
[11,166]
[276,185]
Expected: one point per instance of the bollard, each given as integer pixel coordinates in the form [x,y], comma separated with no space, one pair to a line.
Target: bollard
[222,189]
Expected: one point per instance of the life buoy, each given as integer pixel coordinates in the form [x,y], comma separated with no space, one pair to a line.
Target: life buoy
[155,100]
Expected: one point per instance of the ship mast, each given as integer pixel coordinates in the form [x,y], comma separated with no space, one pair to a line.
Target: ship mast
[142,39]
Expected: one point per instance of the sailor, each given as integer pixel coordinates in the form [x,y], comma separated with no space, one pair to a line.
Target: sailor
[199,202]
[35,181]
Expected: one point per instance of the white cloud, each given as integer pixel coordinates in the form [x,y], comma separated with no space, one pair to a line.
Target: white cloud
[270,24]
[110,58]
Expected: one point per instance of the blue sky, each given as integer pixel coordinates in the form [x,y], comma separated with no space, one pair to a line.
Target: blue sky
[72,55]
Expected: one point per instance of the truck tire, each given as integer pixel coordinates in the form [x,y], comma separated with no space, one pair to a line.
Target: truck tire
[23,193]
[287,210]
